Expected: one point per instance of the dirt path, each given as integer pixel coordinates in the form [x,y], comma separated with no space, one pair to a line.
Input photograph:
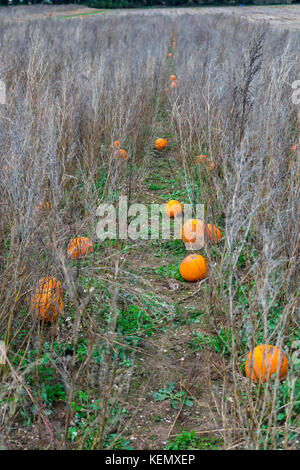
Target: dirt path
[171,357]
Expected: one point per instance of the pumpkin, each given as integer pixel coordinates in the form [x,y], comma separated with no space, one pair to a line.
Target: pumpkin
[123,154]
[266,360]
[200,158]
[212,233]
[173,208]
[173,84]
[193,268]
[47,299]
[170,54]
[172,78]
[192,231]
[160,144]
[44,205]
[293,147]
[116,144]
[79,247]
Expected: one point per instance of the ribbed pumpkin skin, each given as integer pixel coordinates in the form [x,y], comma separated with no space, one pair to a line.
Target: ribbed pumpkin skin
[193,268]
[266,359]
[79,247]
[213,233]
[173,208]
[47,299]
[192,231]
[160,144]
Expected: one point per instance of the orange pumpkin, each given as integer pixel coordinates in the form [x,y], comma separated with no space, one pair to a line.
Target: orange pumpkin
[123,154]
[212,233]
[170,54]
[172,78]
[293,147]
[47,299]
[266,360]
[116,144]
[79,247]
[193,268]
[173,208]
[173,84]
[44,205]
[160,144]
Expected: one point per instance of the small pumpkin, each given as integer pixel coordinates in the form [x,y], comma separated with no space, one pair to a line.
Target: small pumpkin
[79,247]
[173,84]
[116,144]
[192,231]
[173,208]
[172,78]
[200,158]
[170,54]
[123,154]
[293,147]
[47,299]
[193,268]
[266,360]
[160,144]
[212,233]
[44,205]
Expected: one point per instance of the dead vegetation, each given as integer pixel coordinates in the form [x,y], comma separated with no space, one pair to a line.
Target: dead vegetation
[130,326]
